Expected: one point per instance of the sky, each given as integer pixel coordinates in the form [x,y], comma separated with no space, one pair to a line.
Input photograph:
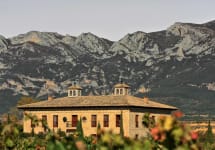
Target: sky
[111,19]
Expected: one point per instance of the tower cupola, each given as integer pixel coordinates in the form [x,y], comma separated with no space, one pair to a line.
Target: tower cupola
[74,90]
[121,89]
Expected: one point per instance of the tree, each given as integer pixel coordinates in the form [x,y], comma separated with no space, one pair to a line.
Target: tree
[209,137]
[148,121]
[99,131]
[98,127]
[121,126]
[8,119]
[34,121]
[26,100]
[80,129]
[16,114]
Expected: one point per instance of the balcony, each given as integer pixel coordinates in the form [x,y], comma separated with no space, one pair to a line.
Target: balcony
[69,124]
[70,128]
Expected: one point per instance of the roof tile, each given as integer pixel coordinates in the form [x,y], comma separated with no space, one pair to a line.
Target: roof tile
[96,101]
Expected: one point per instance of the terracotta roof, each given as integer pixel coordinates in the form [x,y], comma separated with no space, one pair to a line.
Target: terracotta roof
[96,101]
[121,85]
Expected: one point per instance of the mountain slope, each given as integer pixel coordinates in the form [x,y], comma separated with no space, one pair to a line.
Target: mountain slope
[175,66]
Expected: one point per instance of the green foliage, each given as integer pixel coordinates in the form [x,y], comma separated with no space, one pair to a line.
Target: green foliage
[99,126]
[121,126]
[80,129]
[34,121]
[8,119]
[148,121]
[14,114]
[26,100]
[167,133]
[209,137]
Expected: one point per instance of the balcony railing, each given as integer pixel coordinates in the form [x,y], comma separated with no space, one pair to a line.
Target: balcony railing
[69,124]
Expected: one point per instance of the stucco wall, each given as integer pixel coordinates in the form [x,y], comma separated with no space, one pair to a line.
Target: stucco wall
[88,130]
[129,127]
[141,130]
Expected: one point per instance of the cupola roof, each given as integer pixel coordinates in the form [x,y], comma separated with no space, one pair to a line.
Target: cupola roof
[75,87]
[121,85]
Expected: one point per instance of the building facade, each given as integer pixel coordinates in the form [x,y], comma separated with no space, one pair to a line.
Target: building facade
[107,110]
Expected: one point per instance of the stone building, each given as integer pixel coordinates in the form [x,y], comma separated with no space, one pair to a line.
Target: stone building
[64,113]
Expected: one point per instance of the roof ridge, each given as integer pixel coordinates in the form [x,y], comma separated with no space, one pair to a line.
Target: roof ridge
[97,101]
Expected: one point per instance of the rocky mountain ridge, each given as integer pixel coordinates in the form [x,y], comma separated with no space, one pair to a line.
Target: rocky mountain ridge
[175,66]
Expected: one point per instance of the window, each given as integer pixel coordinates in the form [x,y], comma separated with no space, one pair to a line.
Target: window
[55,121]
[117,91]
[44,122]
[136,121]
[32,124]
[106,120]
[74,120]
[136,136]
[93,121]
[152,120]
[121,92]
[118,117]
[70,93]
[44,119]
[74,93]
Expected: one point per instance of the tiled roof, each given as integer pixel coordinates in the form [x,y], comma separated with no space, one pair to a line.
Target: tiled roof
[74,87]
[121,85]
[96,101]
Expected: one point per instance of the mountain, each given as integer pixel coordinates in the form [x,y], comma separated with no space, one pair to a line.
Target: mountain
[174,66]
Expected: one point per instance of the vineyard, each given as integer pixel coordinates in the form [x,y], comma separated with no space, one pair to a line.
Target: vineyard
[167,133]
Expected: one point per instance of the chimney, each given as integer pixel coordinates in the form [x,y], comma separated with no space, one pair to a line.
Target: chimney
[146,100]
[50,98]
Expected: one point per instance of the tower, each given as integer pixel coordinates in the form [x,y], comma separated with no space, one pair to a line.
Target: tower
[121,89]
[74,90]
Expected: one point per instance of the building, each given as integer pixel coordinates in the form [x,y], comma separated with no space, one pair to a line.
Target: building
[200,126]
[64,113]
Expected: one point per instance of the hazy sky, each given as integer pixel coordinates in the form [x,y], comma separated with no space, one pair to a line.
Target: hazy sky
[110,19]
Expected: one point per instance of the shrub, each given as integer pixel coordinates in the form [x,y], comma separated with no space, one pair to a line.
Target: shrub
[166,134]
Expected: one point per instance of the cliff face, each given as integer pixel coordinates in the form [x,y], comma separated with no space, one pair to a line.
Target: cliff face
[175,66]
